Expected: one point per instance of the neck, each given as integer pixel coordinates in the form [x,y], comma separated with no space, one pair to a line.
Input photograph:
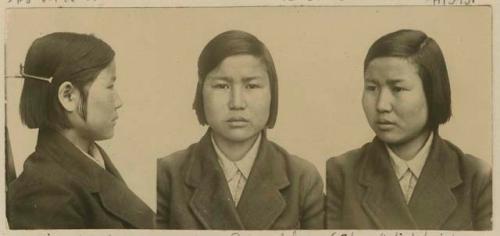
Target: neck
[409,149]
[234,151]
[77,139]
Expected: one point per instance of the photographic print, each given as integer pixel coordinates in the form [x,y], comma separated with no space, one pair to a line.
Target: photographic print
[230,118]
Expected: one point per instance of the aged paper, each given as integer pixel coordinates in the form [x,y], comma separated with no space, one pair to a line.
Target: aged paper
[318,48]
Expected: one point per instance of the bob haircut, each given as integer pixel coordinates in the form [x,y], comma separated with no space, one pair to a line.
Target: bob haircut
[231,43]
[424,52]
[77,58]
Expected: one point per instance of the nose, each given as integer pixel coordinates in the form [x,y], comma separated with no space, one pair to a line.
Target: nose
[237,100]
[118,101]
[384,101]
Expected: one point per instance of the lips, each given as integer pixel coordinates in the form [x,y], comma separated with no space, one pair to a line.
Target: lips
[237,122]
[385,125]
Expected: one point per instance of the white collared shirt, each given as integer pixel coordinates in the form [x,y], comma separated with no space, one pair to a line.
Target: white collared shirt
[237,172]
[408,172]
[95,155]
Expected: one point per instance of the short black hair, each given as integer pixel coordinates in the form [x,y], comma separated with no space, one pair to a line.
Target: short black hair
[64,56]
[230,43]
[425,53]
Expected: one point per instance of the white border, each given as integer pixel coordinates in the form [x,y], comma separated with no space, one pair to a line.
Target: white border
[242,3]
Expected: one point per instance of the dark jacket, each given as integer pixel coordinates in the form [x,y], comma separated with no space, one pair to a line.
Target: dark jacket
[282,191]
[453,191]
[61,188]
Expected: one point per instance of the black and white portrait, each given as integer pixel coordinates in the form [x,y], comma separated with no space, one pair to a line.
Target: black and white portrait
[289,115]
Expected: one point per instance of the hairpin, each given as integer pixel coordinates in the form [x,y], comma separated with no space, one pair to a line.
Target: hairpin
[24,75]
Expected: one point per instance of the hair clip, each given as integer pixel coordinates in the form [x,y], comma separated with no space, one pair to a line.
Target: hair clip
[24,75]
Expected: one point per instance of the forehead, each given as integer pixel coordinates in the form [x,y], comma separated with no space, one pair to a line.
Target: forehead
[107,74]
[238,67]
[391,68]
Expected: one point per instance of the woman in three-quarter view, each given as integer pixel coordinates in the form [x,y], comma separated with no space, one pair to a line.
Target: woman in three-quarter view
[69,182]
[234,177]
[408,176]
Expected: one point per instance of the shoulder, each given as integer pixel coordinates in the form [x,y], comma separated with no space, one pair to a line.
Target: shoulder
[41,191]
[294,163]
[30,189]
[300,173]
[347,160]
[175,160]
[476,165]
[40,173]
[470,166]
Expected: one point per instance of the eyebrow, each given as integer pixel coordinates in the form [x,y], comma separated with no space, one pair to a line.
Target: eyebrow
[229,79]
[247,79]
[113,78]
[225,79]
[389,81]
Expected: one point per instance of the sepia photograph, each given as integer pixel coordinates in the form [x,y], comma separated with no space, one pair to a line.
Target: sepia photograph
[249,118]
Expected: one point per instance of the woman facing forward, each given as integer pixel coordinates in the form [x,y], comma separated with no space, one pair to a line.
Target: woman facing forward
[234,177]
[408,177]
[69,182]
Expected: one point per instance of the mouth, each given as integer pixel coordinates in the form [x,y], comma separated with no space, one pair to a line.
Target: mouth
[385,125]
[237,122]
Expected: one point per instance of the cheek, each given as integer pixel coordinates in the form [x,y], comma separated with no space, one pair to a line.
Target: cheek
[100,104]
[422,112]
[262,104]
[416,111]
[92,106]
[264,111]
[368,105]
[212,105]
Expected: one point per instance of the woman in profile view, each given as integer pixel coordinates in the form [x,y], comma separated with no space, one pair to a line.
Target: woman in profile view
[234,177]
[69,182]
[408,176]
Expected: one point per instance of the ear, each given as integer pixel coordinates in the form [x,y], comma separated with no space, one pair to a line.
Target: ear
[68,96]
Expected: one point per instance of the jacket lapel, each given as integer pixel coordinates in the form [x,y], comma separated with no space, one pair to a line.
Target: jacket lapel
[109,187]
[211,202]
[110,167]
[261,202]
[117,198]
[433,201]
[383,200]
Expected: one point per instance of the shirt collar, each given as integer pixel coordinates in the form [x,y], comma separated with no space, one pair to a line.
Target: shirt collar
[416,164]
[95,155]
[244,165]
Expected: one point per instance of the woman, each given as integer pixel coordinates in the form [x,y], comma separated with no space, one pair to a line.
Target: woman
[408,177]
[234,177]
[69,182]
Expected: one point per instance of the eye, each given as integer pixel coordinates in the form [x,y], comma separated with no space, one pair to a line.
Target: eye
[370,87]
[112,86]
[253,86]
[398,89]
[220,86]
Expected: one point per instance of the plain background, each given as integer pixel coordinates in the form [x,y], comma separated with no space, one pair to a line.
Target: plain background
[318,53]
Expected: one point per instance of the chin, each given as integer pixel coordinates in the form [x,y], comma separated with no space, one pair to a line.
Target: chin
[238,136]
[105,136]
[389,138]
